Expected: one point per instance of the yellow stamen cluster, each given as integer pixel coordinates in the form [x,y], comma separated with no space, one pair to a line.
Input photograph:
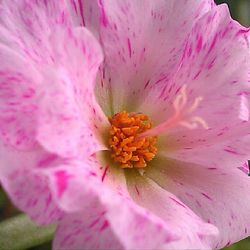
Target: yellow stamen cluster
[127,147]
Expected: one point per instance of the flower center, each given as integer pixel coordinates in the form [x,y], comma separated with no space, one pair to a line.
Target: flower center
[127,147]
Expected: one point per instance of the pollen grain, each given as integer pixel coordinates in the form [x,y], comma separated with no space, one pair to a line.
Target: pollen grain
[127,147]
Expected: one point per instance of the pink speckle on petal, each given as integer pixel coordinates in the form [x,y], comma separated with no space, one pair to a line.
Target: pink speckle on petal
[129,48]
[104,19]
[104,173]
[62,178]
[199,45]
[104,226]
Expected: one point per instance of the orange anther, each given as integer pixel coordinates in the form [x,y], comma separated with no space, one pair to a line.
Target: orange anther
[126,147]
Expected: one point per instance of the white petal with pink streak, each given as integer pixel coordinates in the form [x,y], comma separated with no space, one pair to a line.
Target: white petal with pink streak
[191,230]
[142,42]
[215,67]
[218,196]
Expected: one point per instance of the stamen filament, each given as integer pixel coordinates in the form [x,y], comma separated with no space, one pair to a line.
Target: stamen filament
[181,116]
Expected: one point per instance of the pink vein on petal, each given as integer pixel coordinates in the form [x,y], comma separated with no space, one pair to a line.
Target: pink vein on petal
[61,181]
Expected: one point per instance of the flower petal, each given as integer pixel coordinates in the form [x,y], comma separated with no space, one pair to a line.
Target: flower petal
[85,13]
[74,184]
[142,41]
[18,81]
[218,196]
[68,98]
[233,153]
[27,188]
[114,217]
[75,181]
[29,34]
[88,229]
[219,73]
[214,67]
[136,227]
[67,61]
[80,191]
[193,232]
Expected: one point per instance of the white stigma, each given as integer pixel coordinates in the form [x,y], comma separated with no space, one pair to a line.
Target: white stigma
[182,115]
[181,110]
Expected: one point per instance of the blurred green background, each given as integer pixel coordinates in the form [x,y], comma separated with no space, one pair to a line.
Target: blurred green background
[240,10]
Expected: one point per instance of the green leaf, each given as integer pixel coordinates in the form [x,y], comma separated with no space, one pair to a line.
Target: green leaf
[21,233]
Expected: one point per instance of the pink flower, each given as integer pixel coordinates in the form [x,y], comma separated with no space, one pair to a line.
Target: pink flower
[66,67]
